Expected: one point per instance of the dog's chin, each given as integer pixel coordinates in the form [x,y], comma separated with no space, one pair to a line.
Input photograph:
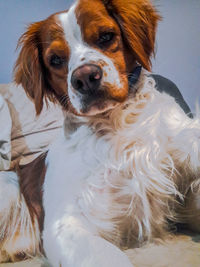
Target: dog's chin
[96,103]
[95,108]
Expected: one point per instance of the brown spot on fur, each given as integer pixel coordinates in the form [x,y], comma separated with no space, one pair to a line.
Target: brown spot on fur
[102,63]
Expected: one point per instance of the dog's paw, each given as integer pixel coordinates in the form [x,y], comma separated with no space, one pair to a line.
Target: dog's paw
[90,251]
[101,253]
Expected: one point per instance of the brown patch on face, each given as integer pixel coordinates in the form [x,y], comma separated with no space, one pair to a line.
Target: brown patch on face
[135,20]
[41,67]
[116,93]
[138,22]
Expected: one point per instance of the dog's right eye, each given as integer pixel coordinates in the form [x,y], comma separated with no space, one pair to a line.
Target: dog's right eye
[56,61]
[105,39]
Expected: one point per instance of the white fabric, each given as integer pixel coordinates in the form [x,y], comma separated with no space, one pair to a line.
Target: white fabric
[30,134]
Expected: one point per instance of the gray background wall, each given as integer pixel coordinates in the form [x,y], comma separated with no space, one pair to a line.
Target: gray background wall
[178,46]
[178,39]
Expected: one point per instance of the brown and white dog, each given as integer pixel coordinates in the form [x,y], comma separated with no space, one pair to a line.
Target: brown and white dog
[128,158]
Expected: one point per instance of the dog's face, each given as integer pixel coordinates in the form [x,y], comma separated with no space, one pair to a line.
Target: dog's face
[82,57]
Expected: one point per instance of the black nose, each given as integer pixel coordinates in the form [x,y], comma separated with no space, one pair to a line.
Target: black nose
[87,78]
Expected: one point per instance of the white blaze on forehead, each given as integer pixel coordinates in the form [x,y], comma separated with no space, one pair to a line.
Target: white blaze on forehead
[72,32]
[81,53]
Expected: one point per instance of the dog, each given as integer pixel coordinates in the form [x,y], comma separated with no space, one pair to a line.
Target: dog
[127,161]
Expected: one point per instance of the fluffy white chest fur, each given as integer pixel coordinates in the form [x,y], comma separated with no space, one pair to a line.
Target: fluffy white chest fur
[115,176]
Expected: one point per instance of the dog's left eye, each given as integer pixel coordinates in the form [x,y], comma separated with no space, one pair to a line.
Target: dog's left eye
[105,38]
[56,61]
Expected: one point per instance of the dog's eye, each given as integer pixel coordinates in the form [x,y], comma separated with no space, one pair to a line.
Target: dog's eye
[105,38]
[56,61]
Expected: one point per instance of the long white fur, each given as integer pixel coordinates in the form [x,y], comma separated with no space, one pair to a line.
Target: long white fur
[136,150]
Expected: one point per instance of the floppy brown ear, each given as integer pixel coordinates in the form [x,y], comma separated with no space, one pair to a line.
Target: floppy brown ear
[28,68]
[138,21]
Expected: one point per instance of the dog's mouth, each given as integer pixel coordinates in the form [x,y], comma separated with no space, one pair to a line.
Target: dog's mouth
[98,106]
[91,104]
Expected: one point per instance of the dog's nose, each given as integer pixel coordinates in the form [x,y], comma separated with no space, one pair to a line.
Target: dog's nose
[87,78]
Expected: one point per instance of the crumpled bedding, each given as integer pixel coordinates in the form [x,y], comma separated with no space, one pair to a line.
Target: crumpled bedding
[23,135]
[176,251]
[5,135]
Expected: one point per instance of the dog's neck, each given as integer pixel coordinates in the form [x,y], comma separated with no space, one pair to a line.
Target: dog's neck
[134,77]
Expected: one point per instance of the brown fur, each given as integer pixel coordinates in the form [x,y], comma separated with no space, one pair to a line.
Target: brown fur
[138,22]
[32,69]
[31,179]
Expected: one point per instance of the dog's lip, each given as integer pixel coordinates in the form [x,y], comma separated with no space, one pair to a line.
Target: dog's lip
[99,108]
[93,104]
[95,107]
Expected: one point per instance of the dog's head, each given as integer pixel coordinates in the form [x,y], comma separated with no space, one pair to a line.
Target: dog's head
[82,57]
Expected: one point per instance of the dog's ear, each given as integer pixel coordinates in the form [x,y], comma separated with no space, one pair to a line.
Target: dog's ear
[137,20]
[28,69]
